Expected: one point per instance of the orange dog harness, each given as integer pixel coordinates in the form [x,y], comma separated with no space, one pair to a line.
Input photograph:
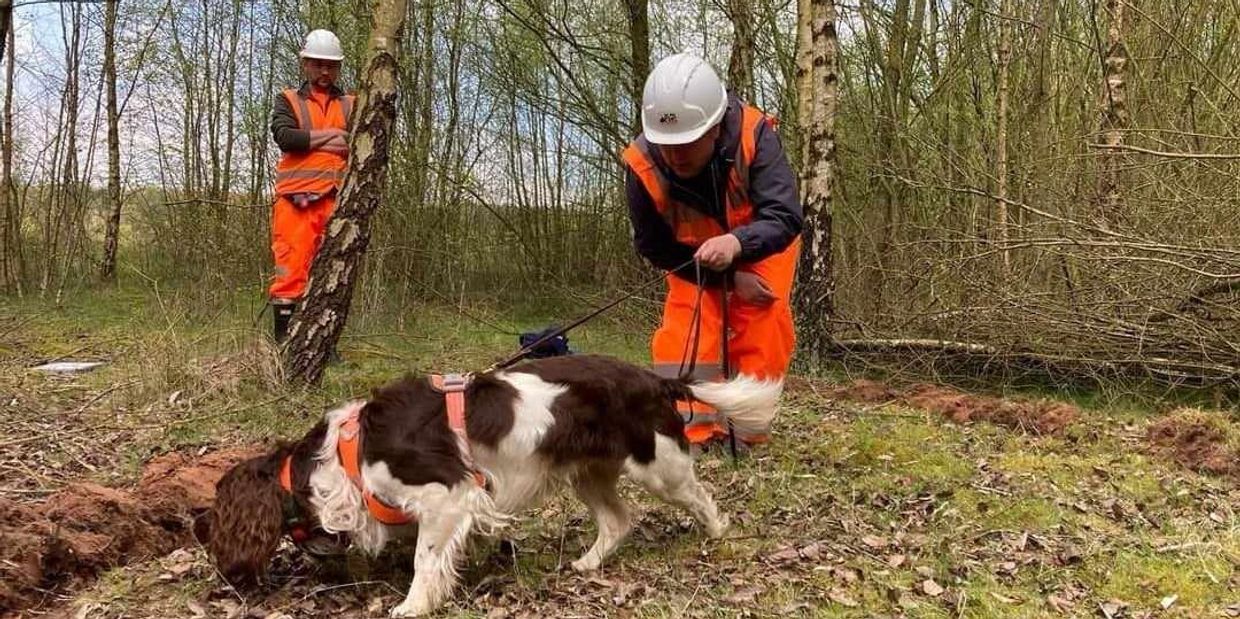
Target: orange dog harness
[349,447]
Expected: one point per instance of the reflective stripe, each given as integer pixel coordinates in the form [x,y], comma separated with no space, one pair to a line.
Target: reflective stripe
[305,113]
[346,108]
[643,147]
[702,371]
[334,175]
[298,105]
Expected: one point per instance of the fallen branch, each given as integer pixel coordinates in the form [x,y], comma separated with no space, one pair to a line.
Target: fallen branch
[1197,297]
[1169,368]
[1159,153]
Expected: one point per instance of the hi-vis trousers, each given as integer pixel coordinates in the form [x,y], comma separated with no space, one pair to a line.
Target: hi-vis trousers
[760,344]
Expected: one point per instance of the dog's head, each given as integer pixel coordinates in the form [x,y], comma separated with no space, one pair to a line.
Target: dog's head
[247,520]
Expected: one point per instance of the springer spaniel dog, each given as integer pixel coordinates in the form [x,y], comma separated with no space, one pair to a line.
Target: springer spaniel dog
[583,420]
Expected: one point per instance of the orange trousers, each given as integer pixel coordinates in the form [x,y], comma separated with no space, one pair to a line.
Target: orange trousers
[760,344]
[295,237]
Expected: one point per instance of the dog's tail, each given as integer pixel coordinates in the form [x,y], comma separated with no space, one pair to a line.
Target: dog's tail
[748,403]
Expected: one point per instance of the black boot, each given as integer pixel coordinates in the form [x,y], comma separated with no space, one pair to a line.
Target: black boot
[283,314]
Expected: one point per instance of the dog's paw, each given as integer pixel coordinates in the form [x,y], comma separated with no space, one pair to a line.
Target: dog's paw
[588,563]
[411,608]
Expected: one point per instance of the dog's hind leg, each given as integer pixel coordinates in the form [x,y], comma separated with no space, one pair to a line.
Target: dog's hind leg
[444,523]
[596,486]
[670,477]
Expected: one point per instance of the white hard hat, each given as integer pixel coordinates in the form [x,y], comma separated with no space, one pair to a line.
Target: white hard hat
[322,44]
[682,100]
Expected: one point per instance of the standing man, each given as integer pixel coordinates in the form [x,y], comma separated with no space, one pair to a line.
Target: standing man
[310,124]
[708,181]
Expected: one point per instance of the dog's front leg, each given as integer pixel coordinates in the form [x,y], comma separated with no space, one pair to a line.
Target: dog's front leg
[441,535]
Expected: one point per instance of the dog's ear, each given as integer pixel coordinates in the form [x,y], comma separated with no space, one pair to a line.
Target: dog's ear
[247,520]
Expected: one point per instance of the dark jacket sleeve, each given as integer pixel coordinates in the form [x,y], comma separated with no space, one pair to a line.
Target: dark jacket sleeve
[654,239]
[778,218]
[284,128]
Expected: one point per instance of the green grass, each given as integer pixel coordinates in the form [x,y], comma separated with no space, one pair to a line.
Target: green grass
[888,498]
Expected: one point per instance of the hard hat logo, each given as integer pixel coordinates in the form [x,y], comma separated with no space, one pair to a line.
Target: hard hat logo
[323,45]
[682,100]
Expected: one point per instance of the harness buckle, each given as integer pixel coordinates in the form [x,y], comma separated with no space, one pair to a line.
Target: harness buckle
[451,383]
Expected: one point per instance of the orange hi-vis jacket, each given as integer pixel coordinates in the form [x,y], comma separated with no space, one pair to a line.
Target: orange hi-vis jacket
[314,171]
[306,185]
[761,339]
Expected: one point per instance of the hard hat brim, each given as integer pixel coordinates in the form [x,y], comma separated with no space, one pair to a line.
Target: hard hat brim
[321,56]
[655,136]
[663,138]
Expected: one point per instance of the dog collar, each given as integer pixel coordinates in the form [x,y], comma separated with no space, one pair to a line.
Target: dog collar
[297,523]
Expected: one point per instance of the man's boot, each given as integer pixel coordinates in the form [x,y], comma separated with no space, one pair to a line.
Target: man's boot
[282,313]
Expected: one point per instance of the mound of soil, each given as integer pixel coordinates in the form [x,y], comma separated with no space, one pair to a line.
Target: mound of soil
[1039,416]
[84,528]
[1196,441]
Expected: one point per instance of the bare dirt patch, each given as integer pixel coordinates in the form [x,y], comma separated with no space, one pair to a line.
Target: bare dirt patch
[1197,441]
[72,535]
[1038,416]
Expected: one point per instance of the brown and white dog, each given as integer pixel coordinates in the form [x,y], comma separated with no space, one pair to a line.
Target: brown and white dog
[580,419]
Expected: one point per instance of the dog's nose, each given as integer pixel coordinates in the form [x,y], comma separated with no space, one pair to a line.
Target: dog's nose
[323,544]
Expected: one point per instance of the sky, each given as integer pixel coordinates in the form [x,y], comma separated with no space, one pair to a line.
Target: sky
[679,25]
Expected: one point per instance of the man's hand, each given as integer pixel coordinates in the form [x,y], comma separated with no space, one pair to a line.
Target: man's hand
[718,253]
[752,289]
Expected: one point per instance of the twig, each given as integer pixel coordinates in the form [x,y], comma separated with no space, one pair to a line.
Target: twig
[325,589]
[1159,153]
[100,396]
[153,426]
[684,611]
[215,202]
[4,490]
[80,349]
[17,325]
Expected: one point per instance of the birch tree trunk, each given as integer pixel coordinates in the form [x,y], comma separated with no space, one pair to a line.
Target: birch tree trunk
[805,83]
[324,309]
[14,272]
[814,296]
[107,271]
[1114,114]
[1001,153]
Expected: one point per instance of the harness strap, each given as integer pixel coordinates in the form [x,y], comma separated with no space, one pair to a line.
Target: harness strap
[453,386]
[349,448]
[286,474]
